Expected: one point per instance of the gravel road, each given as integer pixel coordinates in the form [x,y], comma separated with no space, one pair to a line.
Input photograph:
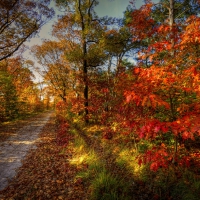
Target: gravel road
[13,150]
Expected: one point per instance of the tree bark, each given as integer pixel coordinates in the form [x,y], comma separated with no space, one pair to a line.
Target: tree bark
[85,79]
[85,64]
[171,23]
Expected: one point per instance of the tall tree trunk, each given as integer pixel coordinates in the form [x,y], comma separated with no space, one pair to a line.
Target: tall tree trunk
[85,64]
[64,96]
[171,23]
[85,79]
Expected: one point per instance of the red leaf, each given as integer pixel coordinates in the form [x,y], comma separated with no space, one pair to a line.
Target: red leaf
[137,70]
[186,135]
[128,98]
[164,129]
[154,166]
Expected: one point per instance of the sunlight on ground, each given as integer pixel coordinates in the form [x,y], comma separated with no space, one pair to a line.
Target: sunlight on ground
[10,160]
[79,159]
[93,129]
[124,158]
[24,142]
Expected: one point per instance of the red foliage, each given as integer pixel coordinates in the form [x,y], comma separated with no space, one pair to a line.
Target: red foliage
[163,98]
[61,105]
[157,157]
[63,136]
[108,134]
[142,23]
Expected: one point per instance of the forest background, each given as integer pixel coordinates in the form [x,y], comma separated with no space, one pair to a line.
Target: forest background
[147,109]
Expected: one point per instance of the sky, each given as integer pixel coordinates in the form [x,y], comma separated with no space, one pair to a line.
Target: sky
[111,8]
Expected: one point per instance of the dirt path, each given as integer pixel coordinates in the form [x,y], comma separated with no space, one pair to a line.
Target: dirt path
[46,172]
[14,149]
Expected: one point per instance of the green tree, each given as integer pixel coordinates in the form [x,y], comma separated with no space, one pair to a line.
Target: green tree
[82,28]
[8,96]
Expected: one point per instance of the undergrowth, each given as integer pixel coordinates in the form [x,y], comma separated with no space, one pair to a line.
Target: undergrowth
[111,169]
[94,170]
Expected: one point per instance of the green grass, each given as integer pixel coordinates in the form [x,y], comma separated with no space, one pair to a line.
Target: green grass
[103,184]
[107,182]
[107,187]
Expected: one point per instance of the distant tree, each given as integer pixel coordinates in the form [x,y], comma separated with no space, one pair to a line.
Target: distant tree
[8,96]
[55,67]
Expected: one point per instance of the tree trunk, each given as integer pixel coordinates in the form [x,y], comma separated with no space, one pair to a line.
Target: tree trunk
[171,23]
[85,80]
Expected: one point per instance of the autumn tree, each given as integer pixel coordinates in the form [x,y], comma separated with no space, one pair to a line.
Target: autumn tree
[20,20]
[22,75]
[82,29]
[23,81]
[162,100]
[151,25]
[17,87]
[55,68]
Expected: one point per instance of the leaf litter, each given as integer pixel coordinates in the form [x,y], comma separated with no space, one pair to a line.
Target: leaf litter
[46,172]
